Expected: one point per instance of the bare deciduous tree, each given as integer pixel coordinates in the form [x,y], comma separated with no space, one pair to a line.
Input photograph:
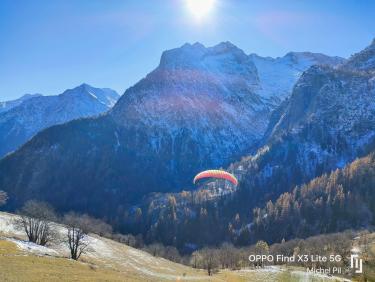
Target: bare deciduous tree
[210,260]
[127,239]
[196,259]
[76,237]
[36,220]
[97,226]
[3,198]
[155,249]
[167,252]
[228,256]
[262,248]
[171,253]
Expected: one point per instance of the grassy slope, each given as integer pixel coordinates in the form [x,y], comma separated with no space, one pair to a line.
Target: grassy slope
[107,260]
[16,266]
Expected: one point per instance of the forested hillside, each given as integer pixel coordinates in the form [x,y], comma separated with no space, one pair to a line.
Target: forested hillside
[343,199]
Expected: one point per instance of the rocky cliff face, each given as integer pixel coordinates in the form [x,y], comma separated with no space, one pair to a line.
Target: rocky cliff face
[197,109]
[328,121]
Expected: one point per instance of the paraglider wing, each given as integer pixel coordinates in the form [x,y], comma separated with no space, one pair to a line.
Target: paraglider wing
[216,174]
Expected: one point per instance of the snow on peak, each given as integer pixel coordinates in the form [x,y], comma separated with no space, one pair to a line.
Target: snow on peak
[206,94]
[314,58]
[226,47]
[183,57]
[7,105]
[192,56]
[21,122]
[105,96]
[271,78]
[278,75]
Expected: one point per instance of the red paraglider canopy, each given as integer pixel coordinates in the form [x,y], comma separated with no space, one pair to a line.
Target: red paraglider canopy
[216,174]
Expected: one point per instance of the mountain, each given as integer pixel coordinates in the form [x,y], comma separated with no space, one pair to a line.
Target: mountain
[277,76]
[32,113]
[199,103]
[326,123]
[7,105]
[200,108]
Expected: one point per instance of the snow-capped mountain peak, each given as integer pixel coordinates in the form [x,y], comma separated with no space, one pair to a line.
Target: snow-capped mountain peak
[36,112]
[196,56]
[193,79]
[105,96]
[278,75]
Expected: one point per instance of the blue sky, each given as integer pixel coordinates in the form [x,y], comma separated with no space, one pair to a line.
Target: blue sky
[49,46]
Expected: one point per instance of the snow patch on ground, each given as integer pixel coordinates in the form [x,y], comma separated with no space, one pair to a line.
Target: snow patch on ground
[305,276]
[7,225]
[33,248]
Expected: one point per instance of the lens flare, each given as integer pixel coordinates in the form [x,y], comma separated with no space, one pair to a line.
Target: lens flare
[200,8]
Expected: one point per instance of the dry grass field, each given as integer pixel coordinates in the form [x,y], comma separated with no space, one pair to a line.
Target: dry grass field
[107,260]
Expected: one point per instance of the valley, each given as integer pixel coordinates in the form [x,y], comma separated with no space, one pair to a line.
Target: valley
[296,133]
[112,261]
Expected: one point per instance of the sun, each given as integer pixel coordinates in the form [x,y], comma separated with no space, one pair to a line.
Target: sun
[200,9]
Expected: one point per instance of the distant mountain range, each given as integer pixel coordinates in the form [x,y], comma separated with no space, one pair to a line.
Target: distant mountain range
[7,105]
[200,108]
[22,118]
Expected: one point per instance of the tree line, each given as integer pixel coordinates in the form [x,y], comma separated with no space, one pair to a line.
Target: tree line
[38,220]
[334,202]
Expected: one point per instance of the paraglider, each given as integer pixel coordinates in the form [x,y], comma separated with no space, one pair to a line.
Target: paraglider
[216,174]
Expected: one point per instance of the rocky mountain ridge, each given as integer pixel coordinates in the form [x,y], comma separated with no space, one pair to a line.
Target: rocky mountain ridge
[31,114]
